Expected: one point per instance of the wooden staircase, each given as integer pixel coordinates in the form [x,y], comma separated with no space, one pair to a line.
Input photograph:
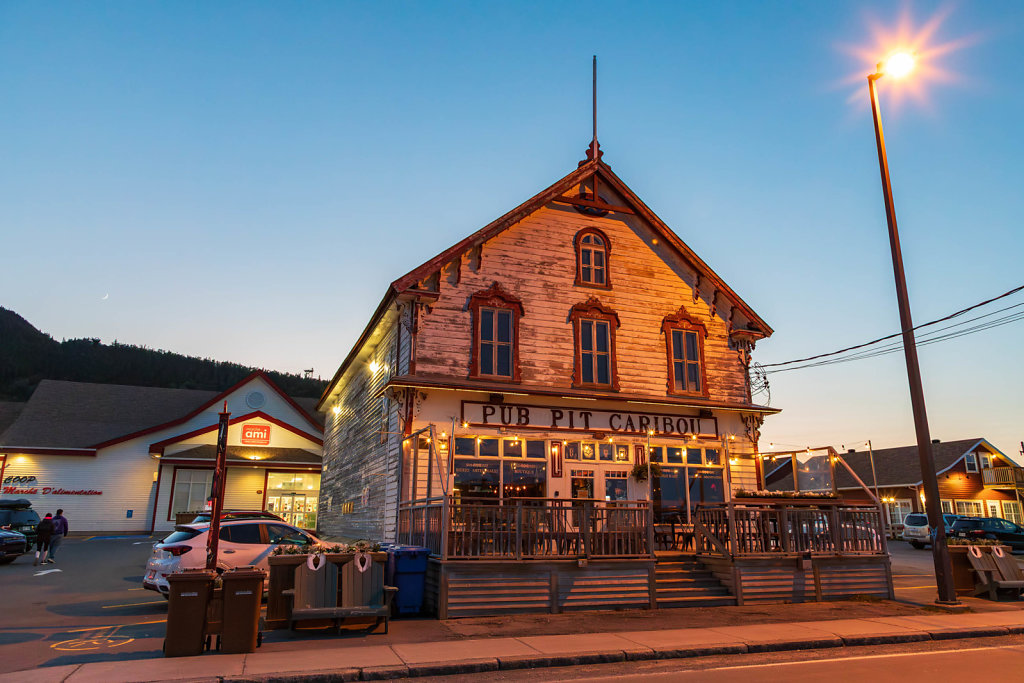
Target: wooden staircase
[682,581]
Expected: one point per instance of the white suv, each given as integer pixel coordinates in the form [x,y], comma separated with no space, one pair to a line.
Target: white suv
[242,543]
[917,532]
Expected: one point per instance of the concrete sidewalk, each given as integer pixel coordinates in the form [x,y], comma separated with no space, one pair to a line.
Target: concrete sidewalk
[376,662]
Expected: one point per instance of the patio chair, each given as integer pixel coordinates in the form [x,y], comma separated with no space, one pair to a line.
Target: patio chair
[1009,570]
[989,576]
[363,594]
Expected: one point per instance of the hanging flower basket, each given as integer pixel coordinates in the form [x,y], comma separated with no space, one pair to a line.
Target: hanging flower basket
[639,472]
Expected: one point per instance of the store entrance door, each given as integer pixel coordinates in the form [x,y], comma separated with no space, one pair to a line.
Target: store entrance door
[297,509]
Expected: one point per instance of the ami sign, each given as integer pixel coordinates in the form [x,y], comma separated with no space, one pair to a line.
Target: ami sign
[256,435]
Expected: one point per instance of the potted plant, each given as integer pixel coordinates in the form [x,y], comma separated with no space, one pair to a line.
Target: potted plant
[639,471]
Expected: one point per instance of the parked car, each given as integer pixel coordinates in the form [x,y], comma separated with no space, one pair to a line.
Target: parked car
[993,528]
[917,532]
[242,543]
[12,544]
[17,515]
[204,518]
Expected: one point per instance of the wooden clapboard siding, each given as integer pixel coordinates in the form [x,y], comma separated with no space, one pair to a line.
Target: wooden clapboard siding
[356,454]
[535,260]
[604,588]
[490,588]
[774,580]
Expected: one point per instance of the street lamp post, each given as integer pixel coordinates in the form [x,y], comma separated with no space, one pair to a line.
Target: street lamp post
[899,65]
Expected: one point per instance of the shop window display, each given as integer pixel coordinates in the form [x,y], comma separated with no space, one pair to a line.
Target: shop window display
[294,497]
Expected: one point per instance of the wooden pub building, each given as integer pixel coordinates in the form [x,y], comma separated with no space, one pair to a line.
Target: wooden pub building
[559,407]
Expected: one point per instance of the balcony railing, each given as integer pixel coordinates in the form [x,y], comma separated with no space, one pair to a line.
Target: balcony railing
[527,528]
[1003,477]
[781,528]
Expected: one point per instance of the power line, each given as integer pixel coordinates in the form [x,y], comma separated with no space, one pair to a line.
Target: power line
[898,334]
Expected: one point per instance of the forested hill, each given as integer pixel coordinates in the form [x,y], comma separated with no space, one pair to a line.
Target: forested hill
[28,356]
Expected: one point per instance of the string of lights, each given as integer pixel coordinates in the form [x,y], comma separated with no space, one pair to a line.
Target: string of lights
[871,350]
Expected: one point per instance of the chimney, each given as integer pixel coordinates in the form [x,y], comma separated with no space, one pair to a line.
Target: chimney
[851,450]
[936,441]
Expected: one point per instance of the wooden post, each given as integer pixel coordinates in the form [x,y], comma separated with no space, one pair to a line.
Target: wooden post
[730,509]
[519,530]
[784,536]
[446,516]
[649,515]
[587,520]
[837,539]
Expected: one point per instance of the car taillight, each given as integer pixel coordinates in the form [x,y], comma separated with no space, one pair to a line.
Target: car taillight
[978,532]
[177,550]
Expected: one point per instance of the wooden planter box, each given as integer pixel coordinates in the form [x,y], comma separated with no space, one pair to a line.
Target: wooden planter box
[963,575]
[800,500]
[282,578]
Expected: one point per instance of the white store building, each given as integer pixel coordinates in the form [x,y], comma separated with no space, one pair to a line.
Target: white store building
[127,459]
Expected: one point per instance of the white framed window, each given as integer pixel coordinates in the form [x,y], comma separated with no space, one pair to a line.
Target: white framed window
[899,510]
[986,460]
[971,463]
[947,506]
[191,489]
[1011,511]
[993,508]
[969,508]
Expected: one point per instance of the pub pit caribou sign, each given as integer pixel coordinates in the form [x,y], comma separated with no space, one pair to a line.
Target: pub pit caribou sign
[563,419]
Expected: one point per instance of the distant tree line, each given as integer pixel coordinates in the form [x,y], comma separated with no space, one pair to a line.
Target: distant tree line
[28,356]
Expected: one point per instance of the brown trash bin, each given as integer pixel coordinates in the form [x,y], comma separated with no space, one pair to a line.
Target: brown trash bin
[186,612]
[243,593]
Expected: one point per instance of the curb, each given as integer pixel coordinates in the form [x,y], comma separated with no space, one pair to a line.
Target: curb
[471,666]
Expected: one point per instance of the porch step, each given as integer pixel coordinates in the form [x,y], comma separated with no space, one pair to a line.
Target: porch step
[682,581]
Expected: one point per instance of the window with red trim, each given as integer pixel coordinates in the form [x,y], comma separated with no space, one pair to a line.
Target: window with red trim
[495,352]
[594,330]
[684,340]
[592,250]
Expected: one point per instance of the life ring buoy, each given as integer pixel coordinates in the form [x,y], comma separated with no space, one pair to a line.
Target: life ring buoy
[316,562]
[974,550]
[998,551]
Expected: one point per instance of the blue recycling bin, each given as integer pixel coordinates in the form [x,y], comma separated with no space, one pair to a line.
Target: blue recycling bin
[407,571]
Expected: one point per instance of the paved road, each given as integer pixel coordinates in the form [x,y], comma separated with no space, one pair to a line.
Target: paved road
[94,609]
[992,664]
[90,607]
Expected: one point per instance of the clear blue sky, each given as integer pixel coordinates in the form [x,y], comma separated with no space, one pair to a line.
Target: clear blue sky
[244,179]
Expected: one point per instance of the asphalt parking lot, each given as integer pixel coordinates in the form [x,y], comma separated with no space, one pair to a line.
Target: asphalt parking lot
[90,607]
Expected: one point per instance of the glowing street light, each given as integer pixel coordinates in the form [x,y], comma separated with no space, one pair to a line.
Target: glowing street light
[897,65]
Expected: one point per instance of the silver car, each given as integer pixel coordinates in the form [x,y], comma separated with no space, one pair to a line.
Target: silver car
[242,543]
[916,531]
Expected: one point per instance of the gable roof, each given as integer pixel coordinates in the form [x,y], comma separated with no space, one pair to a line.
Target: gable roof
[9,412]
[895,467]
[587,169]
[87,416]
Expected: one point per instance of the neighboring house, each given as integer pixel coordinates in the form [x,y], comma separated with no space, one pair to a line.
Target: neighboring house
[128,459]
[974,477]
[546,355]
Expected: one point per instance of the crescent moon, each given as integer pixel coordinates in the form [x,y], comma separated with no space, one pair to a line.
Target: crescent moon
[105,297]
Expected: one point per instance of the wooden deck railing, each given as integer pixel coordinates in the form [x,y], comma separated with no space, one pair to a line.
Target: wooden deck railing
[1003,477]
[527,528]
[774,528]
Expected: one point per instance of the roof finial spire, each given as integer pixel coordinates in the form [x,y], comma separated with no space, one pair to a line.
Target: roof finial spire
[594,151]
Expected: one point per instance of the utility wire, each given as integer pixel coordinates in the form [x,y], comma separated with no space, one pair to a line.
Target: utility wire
[895,334]
[898,346]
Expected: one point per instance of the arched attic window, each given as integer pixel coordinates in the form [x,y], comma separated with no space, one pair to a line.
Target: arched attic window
[592,251]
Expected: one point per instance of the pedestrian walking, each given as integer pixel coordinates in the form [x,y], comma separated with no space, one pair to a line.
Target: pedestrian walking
[44,532]
[60,530]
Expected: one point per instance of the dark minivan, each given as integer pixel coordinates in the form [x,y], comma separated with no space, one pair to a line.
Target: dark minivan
[17,515]
[993,528]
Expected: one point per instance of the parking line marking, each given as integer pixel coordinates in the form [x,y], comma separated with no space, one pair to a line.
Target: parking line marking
[133,604]
[47,571]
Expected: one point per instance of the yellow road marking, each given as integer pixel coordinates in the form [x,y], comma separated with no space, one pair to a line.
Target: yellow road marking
[133,604]
[100,628]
